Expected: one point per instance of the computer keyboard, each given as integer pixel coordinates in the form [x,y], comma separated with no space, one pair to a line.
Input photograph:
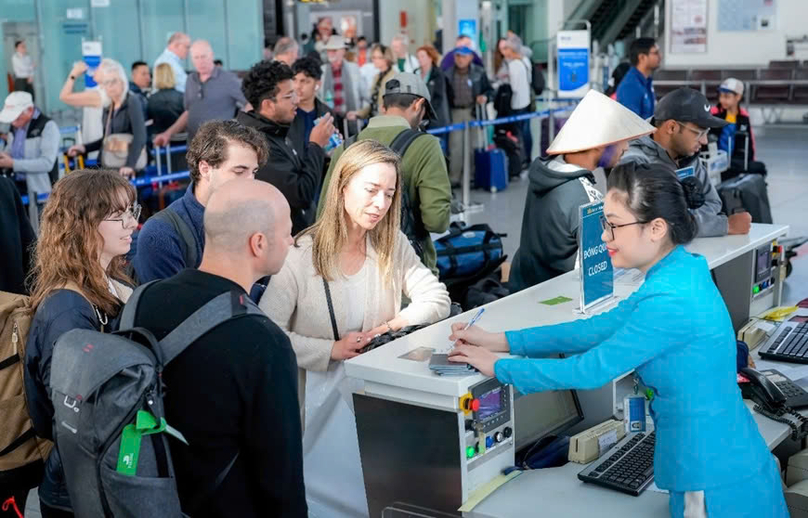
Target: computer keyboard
[788,344]
[627,467]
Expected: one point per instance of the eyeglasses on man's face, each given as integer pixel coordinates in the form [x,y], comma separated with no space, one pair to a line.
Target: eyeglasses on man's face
[132,214]
[700,133]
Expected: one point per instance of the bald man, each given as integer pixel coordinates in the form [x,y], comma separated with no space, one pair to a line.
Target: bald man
[211,93]
[174,54]
[233,392]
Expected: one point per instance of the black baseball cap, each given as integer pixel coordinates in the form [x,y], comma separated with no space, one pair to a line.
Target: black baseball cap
[687,105]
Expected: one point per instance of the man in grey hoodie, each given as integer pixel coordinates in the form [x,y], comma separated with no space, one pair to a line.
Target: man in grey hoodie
[595,135]
[683,119]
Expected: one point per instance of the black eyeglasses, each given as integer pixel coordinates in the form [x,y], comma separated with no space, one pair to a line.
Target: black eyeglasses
[609,227]
[132,213]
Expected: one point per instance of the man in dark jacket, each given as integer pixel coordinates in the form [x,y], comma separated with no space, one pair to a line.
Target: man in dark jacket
[683,119]
[16,238]
[596,135]
[233,392]
[467,86]
[270,89]
[308,75]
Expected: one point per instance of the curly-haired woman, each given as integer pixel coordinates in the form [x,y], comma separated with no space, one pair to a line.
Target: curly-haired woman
[78,283]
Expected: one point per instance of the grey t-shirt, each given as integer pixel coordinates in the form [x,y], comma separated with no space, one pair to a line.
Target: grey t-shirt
[218,98]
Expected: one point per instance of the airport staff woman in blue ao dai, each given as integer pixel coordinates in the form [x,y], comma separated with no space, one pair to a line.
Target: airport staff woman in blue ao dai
[676,332]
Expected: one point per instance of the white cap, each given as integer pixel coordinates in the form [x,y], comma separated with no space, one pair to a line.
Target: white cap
[731,85]
[598,121]
[335,42]
[16,103]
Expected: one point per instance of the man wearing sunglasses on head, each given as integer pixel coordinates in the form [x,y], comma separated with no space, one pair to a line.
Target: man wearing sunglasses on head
[683,120]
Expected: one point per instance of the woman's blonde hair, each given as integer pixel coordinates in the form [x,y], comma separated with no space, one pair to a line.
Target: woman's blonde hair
[164,77]
[69,246]
[330,233]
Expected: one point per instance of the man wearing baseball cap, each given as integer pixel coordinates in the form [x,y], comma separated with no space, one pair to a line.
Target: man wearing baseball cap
[683,119]
[736,138]
[423,169]
[31,147]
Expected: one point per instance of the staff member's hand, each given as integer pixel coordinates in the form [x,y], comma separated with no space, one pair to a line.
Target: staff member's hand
[349,346]
[480,358]
[740,223]
[478,336]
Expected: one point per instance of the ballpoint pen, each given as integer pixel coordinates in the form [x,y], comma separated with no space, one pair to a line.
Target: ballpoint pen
[470,323]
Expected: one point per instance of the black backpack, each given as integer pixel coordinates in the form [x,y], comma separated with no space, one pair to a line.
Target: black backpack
[411,223]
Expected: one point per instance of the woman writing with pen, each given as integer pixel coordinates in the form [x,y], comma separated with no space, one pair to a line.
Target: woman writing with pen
[675,331]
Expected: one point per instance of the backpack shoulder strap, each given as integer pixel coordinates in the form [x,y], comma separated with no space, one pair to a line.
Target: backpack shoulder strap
[402,142]
[216,311]
[130,308]
[187,238]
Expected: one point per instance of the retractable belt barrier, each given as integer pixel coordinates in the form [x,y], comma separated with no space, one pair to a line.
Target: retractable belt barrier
[181,175]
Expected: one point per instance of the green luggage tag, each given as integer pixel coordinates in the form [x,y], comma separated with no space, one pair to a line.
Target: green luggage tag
[129,451]
[132,435]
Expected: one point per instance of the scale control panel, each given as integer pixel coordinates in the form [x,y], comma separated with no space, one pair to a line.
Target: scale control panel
[488,419]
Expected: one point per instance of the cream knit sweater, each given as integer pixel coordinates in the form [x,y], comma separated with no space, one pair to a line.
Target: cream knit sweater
[295,300]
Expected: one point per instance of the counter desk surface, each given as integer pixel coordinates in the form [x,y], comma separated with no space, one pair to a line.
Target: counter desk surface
[556,491]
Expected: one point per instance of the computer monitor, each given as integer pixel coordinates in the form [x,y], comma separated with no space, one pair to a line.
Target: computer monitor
[541,414]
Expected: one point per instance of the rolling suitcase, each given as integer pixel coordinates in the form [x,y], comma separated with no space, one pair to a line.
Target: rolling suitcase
[490,165]
[746,192]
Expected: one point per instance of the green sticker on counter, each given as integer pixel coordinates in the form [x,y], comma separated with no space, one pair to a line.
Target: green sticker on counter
[558,300]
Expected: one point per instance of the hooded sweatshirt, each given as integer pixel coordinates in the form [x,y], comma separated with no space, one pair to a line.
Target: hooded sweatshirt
[549,242]
[711,222]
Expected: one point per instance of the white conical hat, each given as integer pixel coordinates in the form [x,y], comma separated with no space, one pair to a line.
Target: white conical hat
[598,121]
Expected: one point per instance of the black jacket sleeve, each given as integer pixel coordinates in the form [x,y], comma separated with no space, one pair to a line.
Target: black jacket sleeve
[298,178]
[60,312]
[485,86]
[134,111]
[272,433]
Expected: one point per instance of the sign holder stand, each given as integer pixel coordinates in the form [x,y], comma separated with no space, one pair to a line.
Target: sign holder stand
[596,272]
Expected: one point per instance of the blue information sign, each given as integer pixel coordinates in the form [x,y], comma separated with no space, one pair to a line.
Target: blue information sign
[597,273]
[573,68]
[467,28]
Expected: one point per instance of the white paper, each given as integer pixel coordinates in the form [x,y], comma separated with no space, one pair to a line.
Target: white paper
[99,3]
[606,441]
[75,14]
[653,487]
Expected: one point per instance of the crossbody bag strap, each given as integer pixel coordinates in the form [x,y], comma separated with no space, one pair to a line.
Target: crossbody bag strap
[334,327]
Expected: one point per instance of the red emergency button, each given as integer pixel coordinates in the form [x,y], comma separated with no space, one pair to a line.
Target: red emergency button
[475,404]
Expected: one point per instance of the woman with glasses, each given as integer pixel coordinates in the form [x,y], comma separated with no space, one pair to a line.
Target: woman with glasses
[78,282]
[676,333]
[382,58]
[123,145]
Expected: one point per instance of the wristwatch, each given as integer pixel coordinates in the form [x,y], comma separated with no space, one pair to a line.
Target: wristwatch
[72,77]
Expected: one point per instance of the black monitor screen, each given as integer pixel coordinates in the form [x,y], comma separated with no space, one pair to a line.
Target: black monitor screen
[490,404]
[763,266]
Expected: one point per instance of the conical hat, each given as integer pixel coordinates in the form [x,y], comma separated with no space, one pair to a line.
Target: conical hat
[598,121]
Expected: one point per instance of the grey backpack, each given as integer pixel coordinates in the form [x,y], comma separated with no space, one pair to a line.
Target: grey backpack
[109,420]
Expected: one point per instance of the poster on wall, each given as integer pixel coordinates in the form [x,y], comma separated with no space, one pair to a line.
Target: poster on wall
[746,15]
[573,63]
[347,23]
[688,26]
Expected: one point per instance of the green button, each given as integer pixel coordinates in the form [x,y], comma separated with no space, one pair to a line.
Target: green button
[470,452]
[756,289]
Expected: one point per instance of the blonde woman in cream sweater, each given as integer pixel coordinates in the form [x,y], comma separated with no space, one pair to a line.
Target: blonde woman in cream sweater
[356,252]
